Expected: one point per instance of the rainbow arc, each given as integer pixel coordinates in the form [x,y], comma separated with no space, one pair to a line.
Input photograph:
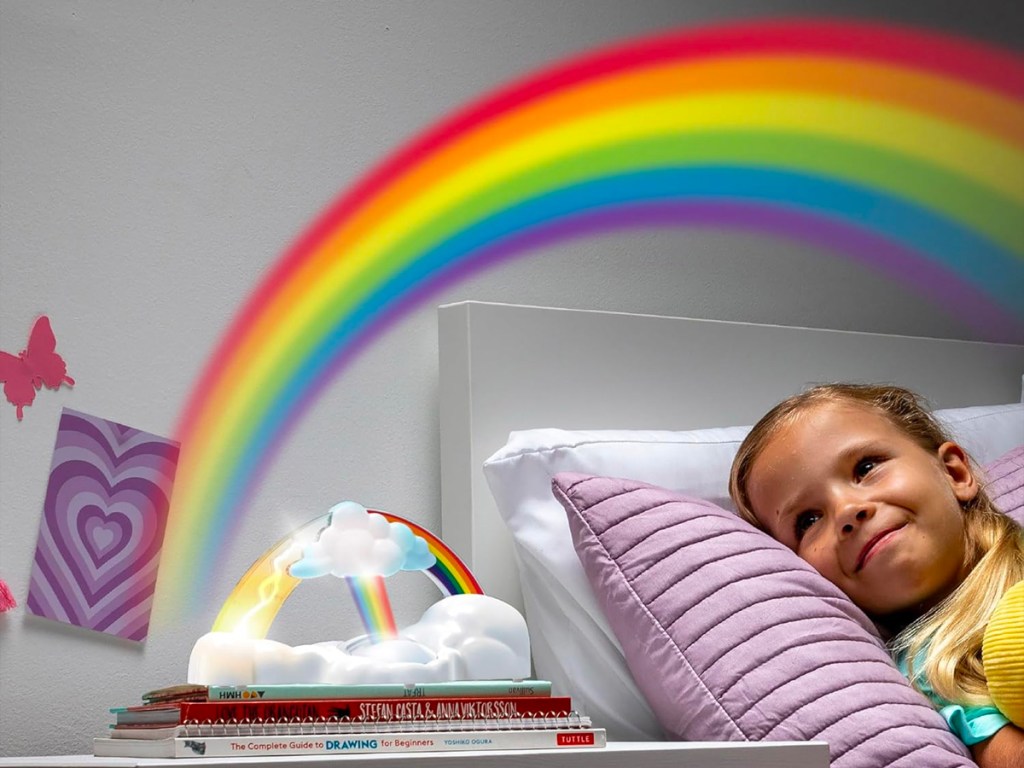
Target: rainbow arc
[898,149]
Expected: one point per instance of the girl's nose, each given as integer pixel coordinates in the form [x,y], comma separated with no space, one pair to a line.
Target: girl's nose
[852,515]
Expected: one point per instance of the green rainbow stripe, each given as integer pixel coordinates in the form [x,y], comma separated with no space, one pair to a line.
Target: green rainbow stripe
[373,605]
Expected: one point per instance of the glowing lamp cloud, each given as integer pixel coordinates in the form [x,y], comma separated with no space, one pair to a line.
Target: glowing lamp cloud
[360,543]
[461,637]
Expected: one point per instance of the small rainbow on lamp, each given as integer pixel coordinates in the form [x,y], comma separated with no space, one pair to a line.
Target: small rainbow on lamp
[259,595]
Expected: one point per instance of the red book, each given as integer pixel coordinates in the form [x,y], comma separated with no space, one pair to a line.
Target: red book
[343,710]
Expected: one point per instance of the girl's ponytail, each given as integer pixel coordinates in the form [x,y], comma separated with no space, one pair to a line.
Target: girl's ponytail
[951,634]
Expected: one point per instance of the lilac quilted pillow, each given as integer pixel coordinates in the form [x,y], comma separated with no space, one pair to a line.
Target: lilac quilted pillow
[1005,486]
[730,636]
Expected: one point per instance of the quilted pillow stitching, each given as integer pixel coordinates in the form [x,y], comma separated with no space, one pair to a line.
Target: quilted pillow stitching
[829,680]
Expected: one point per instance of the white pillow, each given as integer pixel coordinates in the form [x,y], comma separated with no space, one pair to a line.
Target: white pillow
[573,645]
[986,431]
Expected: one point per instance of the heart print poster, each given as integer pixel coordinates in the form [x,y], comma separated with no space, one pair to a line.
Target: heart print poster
[103,525]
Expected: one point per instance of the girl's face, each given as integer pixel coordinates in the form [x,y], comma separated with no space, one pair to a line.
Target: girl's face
[869,508]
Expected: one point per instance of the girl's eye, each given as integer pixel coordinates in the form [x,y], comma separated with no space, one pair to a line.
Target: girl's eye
[804,521]
[864,466]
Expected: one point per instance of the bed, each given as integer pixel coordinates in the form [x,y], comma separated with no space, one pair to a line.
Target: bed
[529,391]
[573,387]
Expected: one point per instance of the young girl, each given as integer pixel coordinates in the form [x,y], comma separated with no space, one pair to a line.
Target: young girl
[865,485]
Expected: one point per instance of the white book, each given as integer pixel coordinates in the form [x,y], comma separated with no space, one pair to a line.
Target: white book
[411,741]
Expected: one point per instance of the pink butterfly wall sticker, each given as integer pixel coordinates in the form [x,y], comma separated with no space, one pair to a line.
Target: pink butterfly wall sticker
[35,366]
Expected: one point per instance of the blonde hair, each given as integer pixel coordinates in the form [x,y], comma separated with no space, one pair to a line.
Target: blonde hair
[951,633]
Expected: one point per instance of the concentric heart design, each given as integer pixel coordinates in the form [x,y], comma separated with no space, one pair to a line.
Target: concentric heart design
[103,524]
[103,535]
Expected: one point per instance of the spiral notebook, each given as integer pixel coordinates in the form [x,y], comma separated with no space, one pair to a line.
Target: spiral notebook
[346,727]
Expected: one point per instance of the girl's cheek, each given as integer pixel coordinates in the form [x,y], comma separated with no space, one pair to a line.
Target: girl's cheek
[814,553]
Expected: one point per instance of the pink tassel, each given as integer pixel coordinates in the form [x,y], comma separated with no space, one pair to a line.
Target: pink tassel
[7,600]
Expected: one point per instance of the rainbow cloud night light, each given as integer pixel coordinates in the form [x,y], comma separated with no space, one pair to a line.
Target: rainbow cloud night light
[465,635]
[897,149]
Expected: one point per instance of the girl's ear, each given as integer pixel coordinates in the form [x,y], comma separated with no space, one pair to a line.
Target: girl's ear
[958,471]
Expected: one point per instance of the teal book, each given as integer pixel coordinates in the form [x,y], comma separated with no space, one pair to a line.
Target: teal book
[458,688]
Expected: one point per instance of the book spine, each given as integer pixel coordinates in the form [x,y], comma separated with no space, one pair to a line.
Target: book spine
[466,688]
[335,729]
[427,741]
[374,710]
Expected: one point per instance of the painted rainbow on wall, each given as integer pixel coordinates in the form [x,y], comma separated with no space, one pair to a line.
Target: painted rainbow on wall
[254,602]
[899,149]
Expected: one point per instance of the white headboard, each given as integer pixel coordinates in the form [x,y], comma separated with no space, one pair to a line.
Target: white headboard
[506,367]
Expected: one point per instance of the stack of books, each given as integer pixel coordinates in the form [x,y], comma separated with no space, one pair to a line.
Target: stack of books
[221,721]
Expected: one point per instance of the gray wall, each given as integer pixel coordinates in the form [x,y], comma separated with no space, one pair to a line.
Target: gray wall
[155,159]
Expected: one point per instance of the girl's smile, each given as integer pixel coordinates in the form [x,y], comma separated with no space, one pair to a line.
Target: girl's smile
[867,506]
[875,544]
